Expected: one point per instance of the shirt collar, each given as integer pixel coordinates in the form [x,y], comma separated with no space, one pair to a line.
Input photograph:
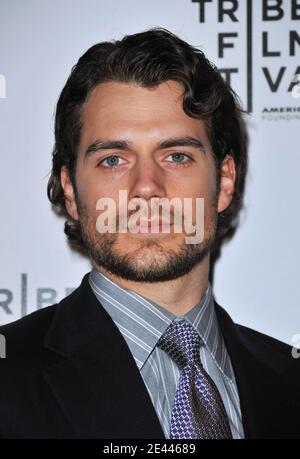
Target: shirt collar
[142,322]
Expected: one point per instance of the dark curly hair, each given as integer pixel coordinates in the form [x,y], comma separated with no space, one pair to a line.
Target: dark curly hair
[148,59]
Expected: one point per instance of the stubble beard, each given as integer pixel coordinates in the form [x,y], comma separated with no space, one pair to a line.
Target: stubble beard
[151,261]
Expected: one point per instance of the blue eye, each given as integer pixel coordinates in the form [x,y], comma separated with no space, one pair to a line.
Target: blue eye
[176,158]
[110,161]
[179,158]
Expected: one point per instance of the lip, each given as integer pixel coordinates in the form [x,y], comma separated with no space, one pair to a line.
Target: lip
[150,222]
[155,225]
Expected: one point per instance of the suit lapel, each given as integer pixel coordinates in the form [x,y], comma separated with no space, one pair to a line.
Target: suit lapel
[97,384]
[266,382]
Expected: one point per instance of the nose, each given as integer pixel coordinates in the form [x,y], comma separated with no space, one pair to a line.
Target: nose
[147,180]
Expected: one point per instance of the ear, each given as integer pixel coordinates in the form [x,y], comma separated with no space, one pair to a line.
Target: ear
[227,182]
[69,193]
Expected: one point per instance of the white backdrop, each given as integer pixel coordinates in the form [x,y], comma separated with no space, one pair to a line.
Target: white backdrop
[257,277]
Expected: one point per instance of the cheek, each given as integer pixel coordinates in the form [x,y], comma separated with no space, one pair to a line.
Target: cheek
[202,182]
[90,190]
[203,186]
[93,182]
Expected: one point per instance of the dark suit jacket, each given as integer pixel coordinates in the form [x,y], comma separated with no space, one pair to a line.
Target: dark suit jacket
[68,373]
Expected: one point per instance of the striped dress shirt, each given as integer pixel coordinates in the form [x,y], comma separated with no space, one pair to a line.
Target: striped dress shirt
[142,322]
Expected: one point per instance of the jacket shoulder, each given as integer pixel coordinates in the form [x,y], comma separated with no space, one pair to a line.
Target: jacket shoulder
[24,337]
[262,340]
[270,350]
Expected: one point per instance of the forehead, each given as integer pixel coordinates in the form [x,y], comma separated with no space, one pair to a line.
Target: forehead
[115,108]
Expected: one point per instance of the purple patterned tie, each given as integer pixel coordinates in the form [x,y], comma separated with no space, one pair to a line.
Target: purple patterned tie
[198,410]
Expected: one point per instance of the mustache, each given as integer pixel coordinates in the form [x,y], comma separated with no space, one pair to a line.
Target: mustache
[162,216]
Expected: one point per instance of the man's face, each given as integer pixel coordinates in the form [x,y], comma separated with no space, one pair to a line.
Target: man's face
[141,119]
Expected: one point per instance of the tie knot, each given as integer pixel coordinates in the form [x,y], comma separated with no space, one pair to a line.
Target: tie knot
[181,342]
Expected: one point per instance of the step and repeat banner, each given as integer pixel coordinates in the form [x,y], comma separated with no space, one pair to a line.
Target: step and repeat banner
[256,46]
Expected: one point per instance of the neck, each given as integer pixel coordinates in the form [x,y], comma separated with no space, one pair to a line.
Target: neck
[178,296]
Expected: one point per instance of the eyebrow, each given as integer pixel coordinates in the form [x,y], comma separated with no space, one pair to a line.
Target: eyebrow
[103,144]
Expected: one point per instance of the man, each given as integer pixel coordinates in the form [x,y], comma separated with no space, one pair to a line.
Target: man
[141,349]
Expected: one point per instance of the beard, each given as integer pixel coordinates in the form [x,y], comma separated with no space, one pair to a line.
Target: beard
[151,261]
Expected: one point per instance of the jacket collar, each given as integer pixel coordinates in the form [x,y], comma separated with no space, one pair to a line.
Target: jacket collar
[97,383]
